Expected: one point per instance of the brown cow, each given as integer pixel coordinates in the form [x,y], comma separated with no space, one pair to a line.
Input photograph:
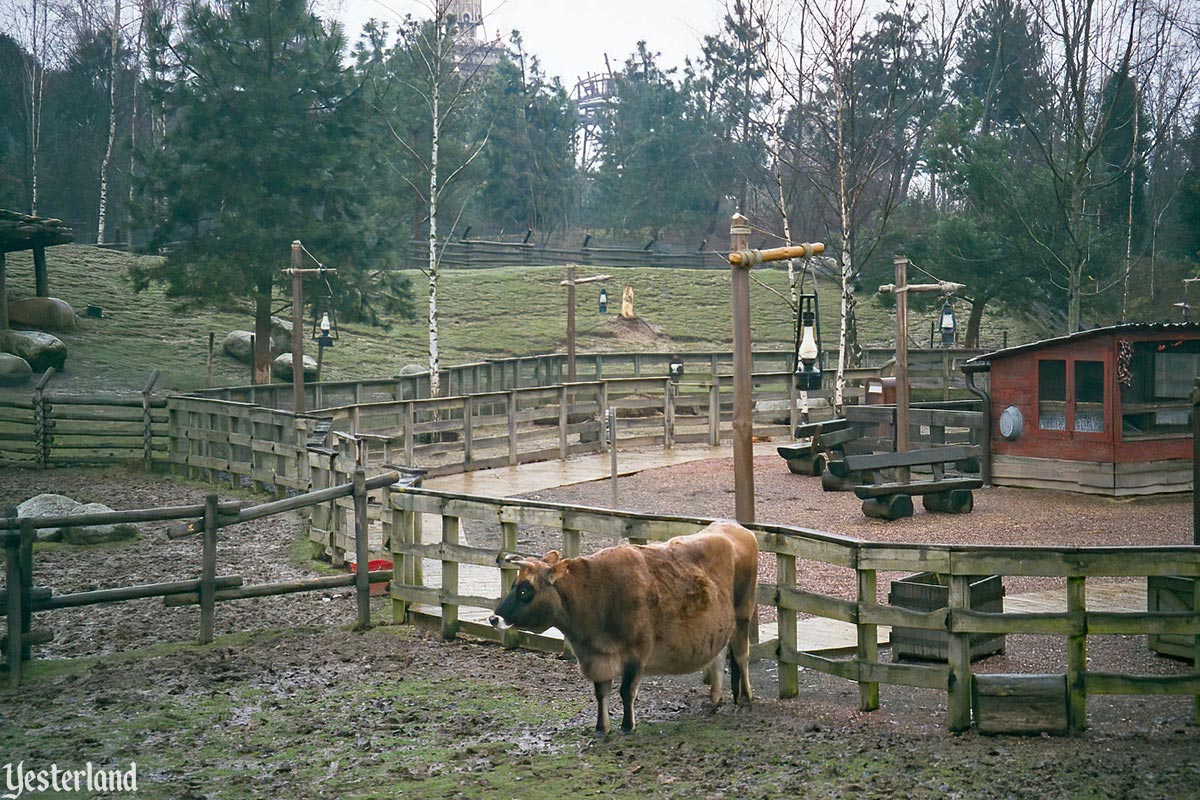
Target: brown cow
[663,609]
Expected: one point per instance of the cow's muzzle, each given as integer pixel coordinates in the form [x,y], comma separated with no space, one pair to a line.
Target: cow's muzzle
[497,622]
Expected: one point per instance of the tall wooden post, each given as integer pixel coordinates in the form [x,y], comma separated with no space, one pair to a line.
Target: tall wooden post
[362,565]
[571,324]
[743,423]
[3,296]
[297,331]
[901,264]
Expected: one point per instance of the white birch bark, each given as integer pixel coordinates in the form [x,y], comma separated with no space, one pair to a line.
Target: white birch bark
[112,122]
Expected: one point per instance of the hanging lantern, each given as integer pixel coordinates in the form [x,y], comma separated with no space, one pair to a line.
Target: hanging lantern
[324,329]
[947,324]
[809,360]
[675,368]
[603,300]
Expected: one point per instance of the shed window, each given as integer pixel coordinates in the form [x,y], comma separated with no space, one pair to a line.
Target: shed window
[1052,395]
[1089,396]
[1155,385]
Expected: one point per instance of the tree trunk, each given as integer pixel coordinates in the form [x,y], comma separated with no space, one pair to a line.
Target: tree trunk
[435,383]
[262,330]
[1074,290]
[112,122]
[974,321]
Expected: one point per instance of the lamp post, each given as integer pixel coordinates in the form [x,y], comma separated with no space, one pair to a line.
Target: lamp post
[901,289]
[741,260]
[571,282]
[297,316]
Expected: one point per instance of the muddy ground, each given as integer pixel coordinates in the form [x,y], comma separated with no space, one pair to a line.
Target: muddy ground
[290,704]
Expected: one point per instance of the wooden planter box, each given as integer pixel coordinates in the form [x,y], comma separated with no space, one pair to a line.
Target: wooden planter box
[1028,704]
[930,591]
[1171,593]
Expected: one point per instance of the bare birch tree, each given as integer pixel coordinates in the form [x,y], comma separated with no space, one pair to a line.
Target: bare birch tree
[445,63]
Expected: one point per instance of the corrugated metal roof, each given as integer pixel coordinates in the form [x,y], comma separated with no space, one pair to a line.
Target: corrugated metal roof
[1126,327]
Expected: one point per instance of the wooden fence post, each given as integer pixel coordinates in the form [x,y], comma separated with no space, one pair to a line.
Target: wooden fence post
[789,674]
[450,533]
[17,601]
[208,570]
[362,581]
[714,412]
[669,414]
[868,641]
[512,428]
[511,637]
[958,690]
[468,404]
[147,432]
[25,555]
[563,418]
[43,427]
[1077,653]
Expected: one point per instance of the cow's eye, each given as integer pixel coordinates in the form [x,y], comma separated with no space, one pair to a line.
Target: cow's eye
[524,593]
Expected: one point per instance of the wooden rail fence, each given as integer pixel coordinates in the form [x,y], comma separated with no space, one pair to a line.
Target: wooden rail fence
[461,541]
[56,428]
[21,598]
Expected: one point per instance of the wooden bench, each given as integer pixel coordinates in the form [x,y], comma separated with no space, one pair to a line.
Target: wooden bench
[817,443]
[893,499]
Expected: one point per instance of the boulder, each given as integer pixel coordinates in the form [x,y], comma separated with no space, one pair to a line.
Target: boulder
[14,370]
[413,369]
[282,367]
[281,336]
[238,343]
[57,505]
[97,534]
[42,313]
[40,350]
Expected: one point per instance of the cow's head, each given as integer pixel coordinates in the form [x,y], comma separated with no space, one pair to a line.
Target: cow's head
[532,604]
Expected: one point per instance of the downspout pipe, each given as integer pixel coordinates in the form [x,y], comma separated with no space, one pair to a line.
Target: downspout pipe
[985,463]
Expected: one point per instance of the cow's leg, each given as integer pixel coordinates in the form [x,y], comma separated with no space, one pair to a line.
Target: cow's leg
[714,674]
[631,677]
[739,663]
[603,689]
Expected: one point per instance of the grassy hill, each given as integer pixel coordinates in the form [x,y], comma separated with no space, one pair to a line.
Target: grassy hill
[484,314]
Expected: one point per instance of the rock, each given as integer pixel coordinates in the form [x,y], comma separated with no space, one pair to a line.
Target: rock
[42,313]
[14,370]
[281,336]
[40,350]
[413,369]
[237,344]
[57,505]
[282,367]
[97,534]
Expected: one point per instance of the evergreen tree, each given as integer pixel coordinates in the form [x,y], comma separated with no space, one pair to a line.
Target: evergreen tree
[260,124]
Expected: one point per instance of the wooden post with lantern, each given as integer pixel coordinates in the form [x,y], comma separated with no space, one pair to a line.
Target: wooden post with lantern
[741,259]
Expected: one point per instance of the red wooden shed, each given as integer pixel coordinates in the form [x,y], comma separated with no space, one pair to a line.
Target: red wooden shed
[1103,411]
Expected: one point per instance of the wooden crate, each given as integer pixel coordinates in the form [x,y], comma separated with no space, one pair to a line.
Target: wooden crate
[929,591]
[1171,593]
[1030,704]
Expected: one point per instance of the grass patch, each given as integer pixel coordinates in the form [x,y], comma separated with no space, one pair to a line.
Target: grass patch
[485,314]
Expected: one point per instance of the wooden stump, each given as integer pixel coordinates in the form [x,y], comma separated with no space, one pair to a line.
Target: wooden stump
[957,501]
[891,506]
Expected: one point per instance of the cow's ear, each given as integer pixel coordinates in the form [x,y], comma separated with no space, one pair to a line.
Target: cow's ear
[558,570]
[551,558]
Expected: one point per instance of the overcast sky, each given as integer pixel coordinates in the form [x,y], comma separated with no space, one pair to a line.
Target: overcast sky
[571,38]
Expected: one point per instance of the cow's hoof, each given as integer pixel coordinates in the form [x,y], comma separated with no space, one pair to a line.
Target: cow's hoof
[599,734]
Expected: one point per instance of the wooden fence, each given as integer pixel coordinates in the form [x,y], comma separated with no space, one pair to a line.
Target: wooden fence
[480,253]
[57,428]
[21,598]
[461,542]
